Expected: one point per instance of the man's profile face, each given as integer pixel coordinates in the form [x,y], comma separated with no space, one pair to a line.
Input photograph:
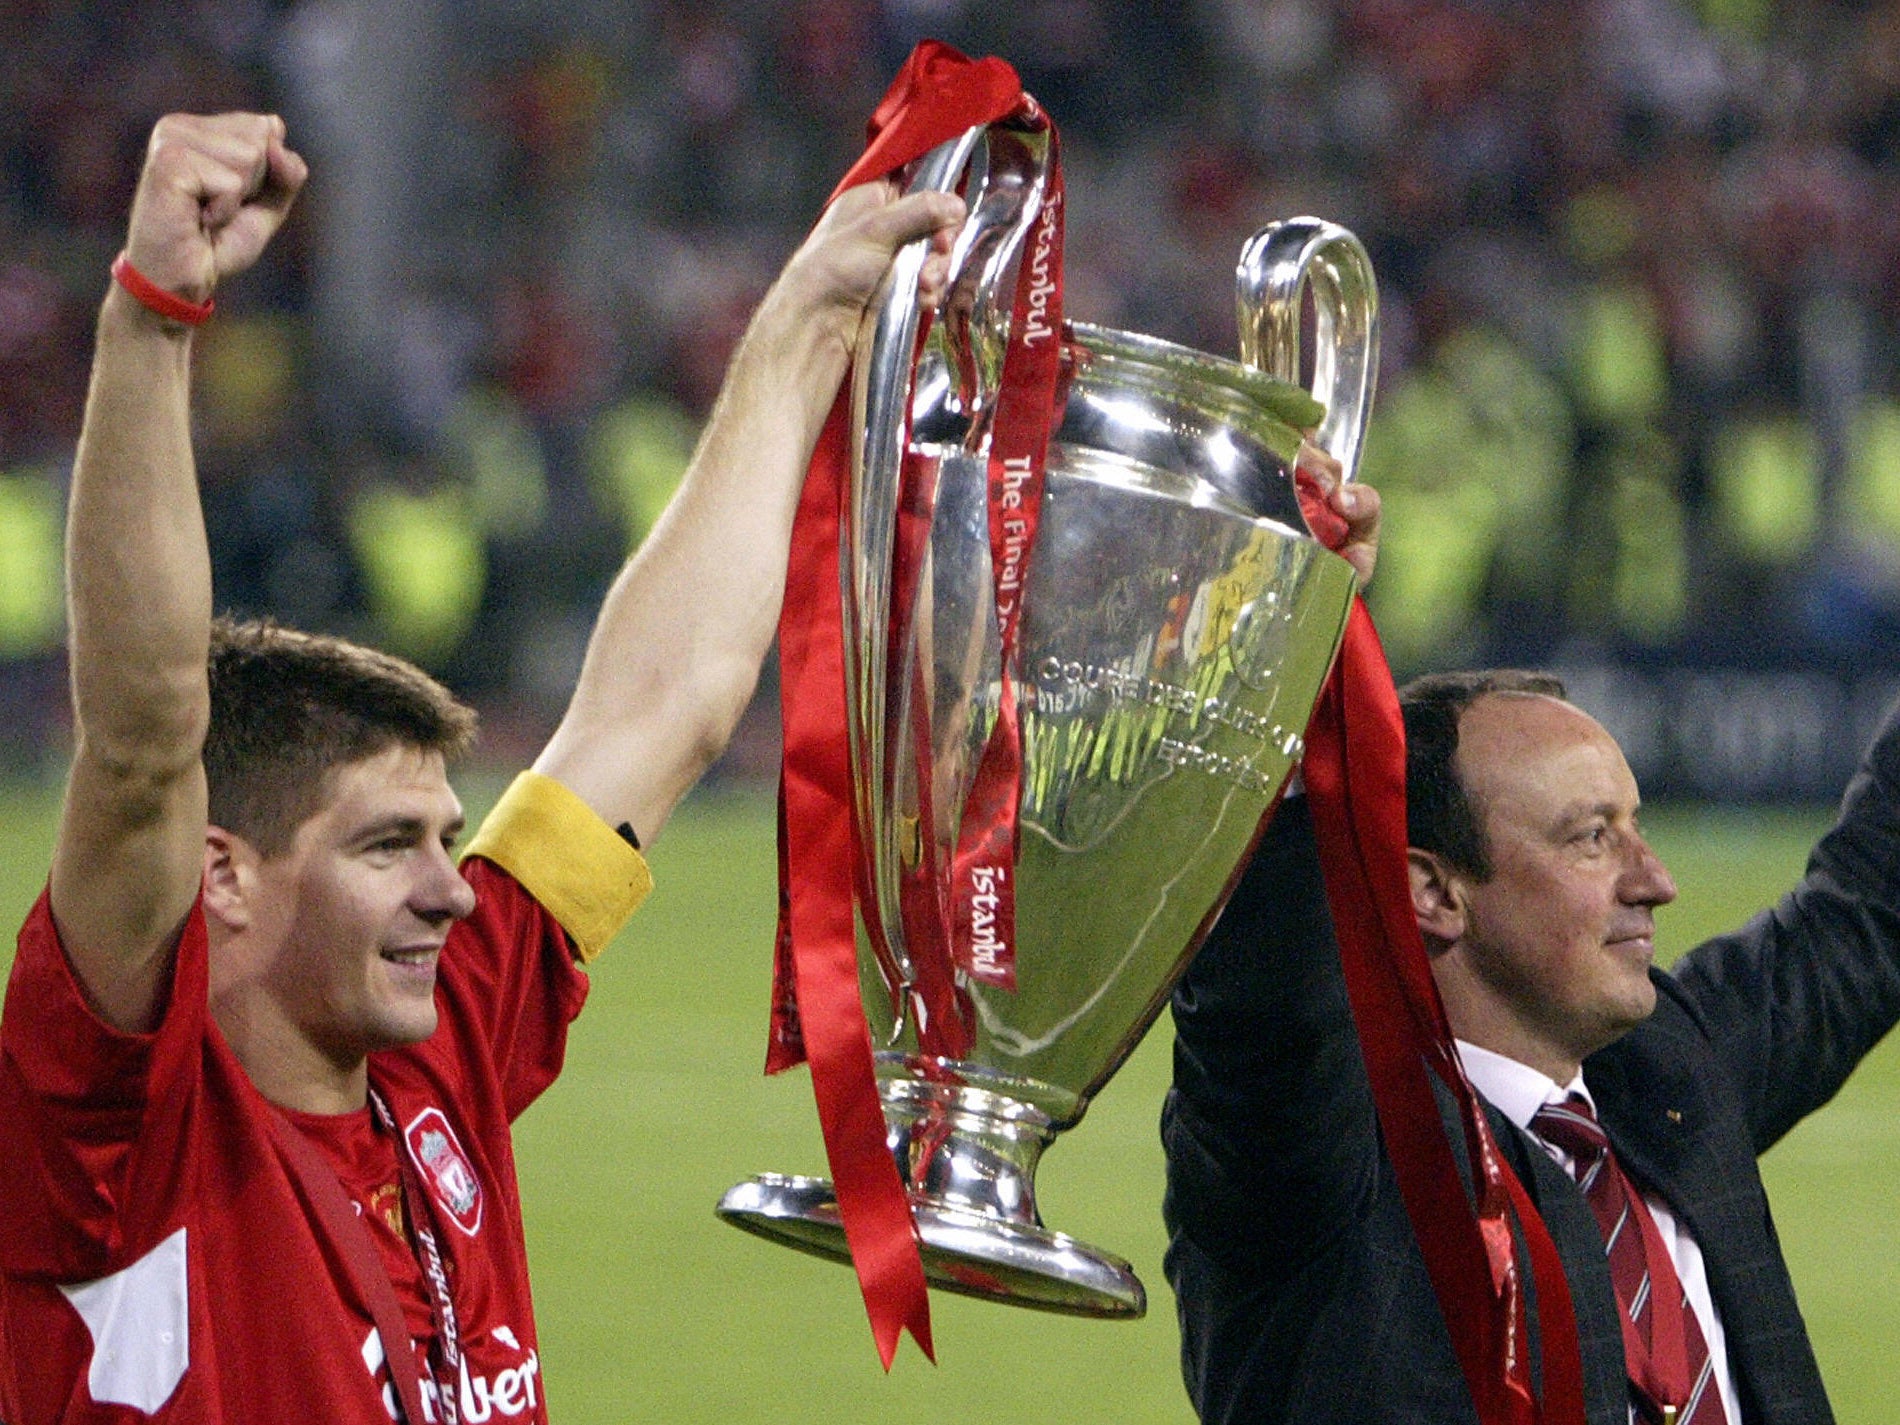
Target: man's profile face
[362,902]
[1558,943]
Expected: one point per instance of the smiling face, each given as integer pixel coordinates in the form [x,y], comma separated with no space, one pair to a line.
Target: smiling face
[1546,959]
[328,952]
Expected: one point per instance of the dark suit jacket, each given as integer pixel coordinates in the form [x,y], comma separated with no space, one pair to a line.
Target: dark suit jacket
[1300,1287]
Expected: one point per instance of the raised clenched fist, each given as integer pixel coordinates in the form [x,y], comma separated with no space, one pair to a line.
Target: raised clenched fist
[214,190]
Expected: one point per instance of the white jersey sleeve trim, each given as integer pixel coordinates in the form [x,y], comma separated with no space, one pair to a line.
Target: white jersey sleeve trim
[140,1320]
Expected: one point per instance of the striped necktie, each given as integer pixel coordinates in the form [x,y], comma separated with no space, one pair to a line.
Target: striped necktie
[1672,1379]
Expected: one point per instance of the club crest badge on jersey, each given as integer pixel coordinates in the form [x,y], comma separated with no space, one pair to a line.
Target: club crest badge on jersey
[451,1177]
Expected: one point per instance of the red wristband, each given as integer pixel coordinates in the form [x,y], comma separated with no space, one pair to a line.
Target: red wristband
[169,305]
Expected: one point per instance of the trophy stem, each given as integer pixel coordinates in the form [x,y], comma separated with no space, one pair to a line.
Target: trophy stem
[968,1159]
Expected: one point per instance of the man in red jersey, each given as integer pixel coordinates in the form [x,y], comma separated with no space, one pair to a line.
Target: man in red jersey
[263,1038]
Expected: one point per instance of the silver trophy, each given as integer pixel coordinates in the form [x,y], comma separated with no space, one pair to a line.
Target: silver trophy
[1179,622]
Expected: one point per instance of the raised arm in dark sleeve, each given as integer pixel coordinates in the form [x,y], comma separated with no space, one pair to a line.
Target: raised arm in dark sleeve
[1270,1100]
[1286,1238]
[1796,998]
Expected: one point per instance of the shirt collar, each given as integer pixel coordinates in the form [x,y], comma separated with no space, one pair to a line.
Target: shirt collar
[1516,1090]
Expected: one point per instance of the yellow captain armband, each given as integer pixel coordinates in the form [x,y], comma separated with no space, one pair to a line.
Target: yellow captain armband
[579,868]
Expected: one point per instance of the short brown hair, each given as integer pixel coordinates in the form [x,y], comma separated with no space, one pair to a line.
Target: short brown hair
[1438,812]
[289,708]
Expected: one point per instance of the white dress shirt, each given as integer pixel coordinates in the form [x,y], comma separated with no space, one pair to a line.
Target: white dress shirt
[1518,1091]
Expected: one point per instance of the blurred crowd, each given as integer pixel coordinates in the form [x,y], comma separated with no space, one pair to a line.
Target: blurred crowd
[1637,265]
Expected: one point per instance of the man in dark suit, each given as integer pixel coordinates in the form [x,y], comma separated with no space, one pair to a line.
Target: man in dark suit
[1302,1292]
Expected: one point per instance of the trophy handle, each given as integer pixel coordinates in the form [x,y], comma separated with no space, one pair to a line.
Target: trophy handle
[1004,172]
[1277,266]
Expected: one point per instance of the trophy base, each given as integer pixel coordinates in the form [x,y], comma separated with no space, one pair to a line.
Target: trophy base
[966,1252]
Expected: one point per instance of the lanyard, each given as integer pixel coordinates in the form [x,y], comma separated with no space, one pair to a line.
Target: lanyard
[323,1191]
[419,1210]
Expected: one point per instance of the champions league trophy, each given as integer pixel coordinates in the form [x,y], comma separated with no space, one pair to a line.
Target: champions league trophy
[1178,624]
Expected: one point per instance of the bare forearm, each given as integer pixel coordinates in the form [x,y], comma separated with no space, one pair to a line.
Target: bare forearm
[676,653]
[677,650]
[138,572]
[717,559]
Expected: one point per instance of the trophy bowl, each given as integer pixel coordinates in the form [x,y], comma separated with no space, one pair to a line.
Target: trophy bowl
[1178,622]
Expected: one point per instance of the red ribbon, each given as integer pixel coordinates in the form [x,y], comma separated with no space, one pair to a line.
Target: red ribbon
[1355,778]
[982,892]
[937,95]
[816,1009]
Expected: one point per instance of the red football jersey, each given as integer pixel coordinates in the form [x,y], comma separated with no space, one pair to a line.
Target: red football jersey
[158,1259]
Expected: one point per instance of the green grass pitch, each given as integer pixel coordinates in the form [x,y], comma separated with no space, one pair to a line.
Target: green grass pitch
[651,1309]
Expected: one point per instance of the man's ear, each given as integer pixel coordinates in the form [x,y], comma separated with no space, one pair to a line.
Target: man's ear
[227,879]
[1438,898]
